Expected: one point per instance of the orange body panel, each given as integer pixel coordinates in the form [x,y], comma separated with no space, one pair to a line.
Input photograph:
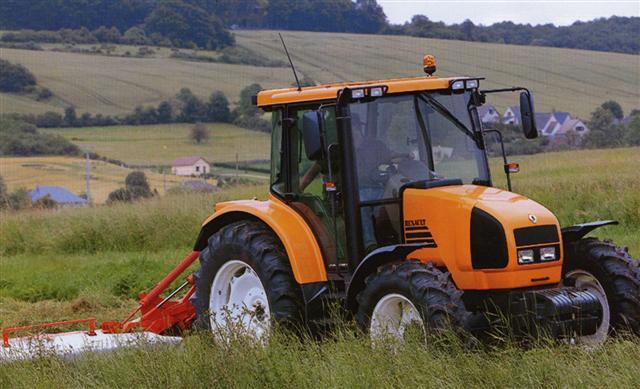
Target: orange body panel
[294,233]
[447,213]
[330,91]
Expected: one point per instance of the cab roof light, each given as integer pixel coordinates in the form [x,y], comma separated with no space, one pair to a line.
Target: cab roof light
[472,84]
[357,93]
[376,91]
[457,85]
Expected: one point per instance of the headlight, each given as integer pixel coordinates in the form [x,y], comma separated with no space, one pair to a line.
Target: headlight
[525,256]
[548,254]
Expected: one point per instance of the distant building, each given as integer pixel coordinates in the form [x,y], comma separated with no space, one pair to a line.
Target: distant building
[511,116]
[190,166]
[488,114]
[58,194]
[572,125]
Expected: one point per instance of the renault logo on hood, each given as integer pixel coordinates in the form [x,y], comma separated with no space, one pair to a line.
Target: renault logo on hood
[533,218]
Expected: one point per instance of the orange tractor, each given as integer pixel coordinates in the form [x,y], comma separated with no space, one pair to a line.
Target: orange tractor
[381,200]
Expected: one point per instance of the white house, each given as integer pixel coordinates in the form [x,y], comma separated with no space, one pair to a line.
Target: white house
[511,116]
[572,125]
[488,114]
[550,123]
[190,166]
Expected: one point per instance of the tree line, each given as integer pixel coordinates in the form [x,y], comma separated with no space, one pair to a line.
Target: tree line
[185,107]
[205,23]
[174,23]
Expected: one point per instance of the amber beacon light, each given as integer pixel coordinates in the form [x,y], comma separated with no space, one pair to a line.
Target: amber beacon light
[429,64]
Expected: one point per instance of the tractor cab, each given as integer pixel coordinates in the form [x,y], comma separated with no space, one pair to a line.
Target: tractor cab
[344,154]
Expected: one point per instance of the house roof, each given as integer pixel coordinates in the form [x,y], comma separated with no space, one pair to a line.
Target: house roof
[187,161]
[514,109]
[485,109]
[56,193]
[542,118]
[562,117]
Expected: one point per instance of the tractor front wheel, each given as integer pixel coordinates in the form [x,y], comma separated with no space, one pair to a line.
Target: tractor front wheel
[410,295]
[613,277]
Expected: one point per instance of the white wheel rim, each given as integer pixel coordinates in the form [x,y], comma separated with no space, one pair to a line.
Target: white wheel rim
[238,301]
[392,315]
[587,281]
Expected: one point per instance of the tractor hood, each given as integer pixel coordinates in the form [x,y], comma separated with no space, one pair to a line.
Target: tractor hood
[476,231]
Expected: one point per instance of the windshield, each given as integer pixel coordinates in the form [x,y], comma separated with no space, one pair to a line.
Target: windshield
[415,137]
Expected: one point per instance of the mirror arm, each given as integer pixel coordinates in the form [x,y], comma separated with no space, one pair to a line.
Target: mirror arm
[504,155]
[512,89]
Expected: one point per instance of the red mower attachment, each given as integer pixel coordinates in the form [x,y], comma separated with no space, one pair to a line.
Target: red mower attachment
[158,316]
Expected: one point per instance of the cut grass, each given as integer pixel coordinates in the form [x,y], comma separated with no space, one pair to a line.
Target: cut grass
[576,81]
[161,144]
[69,172]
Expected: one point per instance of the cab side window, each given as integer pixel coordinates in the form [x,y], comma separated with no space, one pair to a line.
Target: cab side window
[277,154]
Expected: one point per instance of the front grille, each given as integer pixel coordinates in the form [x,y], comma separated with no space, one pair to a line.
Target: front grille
[529,236]
[488,241]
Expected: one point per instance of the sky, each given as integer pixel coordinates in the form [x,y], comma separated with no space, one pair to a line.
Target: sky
[485,12]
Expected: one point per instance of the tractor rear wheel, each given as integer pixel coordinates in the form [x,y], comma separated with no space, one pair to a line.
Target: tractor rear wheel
[245,282]
[613,276]
[410,294]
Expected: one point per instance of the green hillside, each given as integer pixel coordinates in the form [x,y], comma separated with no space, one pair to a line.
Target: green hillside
[563,79]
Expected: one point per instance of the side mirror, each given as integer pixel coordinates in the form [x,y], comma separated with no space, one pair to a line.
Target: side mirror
[311,132]
[528,115]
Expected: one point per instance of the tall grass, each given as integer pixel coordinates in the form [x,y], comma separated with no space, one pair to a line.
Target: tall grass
[346,360]
[168,222]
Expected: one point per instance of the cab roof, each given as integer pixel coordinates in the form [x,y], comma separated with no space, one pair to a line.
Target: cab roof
[271,97]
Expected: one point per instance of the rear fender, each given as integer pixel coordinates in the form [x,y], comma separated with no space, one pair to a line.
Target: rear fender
[297,238]
[578,231]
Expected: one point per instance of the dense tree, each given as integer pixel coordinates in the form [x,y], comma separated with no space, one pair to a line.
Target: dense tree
[19,199]
[14,77]
[70,117]
[245,105]
[49,119]
[603,131]
[57,14]
[192,108]
[183,24]
[199,133]
[18,138]
[135,36]
[632,136]
[218,108]
[165,112]
[136,187]
[107,35]
[615,108]
[605,34]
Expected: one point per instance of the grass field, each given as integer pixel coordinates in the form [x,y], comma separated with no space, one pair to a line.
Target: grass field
[162,144]
[563,79]
[69,172]
[93,261]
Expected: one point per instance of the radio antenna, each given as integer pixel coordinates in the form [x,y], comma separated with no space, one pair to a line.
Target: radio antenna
[290,62]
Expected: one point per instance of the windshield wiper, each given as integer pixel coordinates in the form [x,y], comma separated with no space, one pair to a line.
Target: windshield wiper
[435,104]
